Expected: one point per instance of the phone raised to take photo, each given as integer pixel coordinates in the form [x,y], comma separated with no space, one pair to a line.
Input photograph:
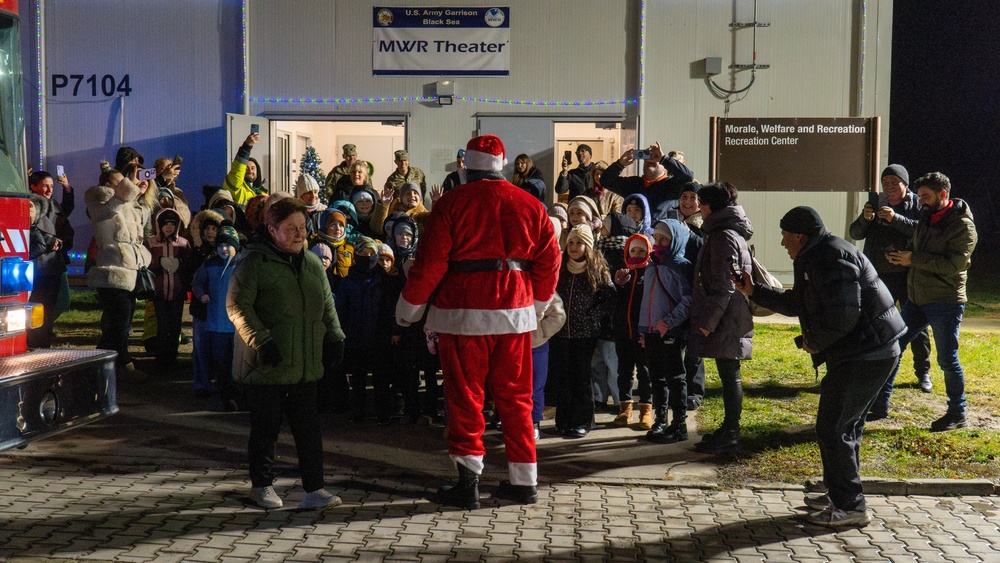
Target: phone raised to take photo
[735,268]
[641,154]
[873,200]
[254,128]
[146,174]
[60,171]
[568,156]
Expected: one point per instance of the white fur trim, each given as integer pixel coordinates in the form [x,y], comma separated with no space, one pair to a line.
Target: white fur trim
[524,474]
[477,322]
[540,307]
[476,160]
[471,462]
[407,313]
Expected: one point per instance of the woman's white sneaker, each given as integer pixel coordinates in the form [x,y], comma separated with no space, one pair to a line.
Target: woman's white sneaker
[319,498]
[265,497]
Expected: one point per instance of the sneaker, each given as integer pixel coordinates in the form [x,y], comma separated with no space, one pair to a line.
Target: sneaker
[817,501]
[319,498]
[538,431]
[949,422]
[265,497]
[833,517]
[693,403]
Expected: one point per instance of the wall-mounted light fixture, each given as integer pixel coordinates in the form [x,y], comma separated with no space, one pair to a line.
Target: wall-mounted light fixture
[445,92]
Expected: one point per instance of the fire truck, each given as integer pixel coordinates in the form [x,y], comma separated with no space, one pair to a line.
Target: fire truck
[46,391]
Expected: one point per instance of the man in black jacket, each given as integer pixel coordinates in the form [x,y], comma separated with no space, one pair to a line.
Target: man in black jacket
[849,321]
[578,180]
[663,178]
[885,228]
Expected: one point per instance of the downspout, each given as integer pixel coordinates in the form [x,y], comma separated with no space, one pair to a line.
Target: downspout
[246,57]
[42,83]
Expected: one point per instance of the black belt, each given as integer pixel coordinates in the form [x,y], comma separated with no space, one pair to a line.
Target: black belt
[489,265]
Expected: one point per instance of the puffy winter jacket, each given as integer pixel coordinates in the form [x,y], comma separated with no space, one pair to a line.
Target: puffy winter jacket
[942,254]
[118,230]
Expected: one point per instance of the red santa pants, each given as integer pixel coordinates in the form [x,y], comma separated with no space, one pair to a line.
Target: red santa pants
[503,362]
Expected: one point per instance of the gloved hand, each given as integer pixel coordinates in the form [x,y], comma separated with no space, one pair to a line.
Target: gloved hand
[333,353]
[269,354]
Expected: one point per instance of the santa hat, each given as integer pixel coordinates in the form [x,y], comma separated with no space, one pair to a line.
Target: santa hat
[485,153]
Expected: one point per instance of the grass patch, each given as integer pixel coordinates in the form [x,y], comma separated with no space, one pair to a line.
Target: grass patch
[984,296]
[781,395]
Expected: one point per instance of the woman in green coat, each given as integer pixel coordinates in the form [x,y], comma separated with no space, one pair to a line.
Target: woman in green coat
[286,327]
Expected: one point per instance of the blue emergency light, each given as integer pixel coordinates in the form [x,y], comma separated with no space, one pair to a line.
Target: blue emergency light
[16,275]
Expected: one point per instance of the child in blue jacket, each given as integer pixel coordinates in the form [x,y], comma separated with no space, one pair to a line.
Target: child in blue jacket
[210,285]
[663,316]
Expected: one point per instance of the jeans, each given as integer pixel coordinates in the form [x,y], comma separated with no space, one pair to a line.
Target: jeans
[604,372]
[921,344]
[945,320]
[269,404]
[117,306]
[632,363]
[539,375]
[846,394]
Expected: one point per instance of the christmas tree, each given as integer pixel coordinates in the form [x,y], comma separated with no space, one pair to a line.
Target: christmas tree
[310,165]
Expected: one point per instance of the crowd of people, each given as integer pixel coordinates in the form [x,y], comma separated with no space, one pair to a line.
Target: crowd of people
[612,300]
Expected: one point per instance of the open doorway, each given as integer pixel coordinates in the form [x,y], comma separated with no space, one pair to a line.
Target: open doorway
[604,140]
[376,142]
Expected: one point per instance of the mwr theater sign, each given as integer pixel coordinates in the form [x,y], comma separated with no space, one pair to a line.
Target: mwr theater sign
[795,153]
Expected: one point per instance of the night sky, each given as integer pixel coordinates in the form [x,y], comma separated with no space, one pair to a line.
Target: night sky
[945,103]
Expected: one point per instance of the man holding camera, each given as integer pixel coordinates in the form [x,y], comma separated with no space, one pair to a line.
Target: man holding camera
[662,179]
[850,322]
[886,224]
[942,253]
[578,180]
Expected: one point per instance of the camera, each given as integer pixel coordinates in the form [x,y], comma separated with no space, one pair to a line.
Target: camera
[145,174]
[641,154]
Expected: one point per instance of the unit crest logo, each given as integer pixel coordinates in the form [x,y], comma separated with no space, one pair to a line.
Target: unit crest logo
[384,17]
[494,17]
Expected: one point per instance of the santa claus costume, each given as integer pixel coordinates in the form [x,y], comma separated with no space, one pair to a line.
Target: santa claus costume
[487,267]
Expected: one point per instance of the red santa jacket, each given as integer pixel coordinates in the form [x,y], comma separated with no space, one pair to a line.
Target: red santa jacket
[488,262]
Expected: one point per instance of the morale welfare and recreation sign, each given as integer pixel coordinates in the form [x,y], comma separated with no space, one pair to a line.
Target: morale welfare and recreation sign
[795,153]
[441,41]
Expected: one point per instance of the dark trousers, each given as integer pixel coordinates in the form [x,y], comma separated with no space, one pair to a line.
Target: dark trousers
[569,365]
[846,394]
[666,372]
[921,344]
[269,404]
[45,291]
[358,363]
[694,367]
[117,306]
[168,328]
[632,363]
[732,391]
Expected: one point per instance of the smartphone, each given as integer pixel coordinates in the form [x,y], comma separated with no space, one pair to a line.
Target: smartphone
[146,174]
[60,171]
[873,200]
[254,128]
[568,156]
[641,154]
[735,268]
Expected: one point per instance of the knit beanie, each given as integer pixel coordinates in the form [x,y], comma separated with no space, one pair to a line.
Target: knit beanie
[360,195]
[164,193]
[641,241]
[897,170]
[386,250]
[402,227]
[587,205]
[556,226]
[227,235]
[485,153]
[802,220]
[306,183]
[322,250]
[363,242]
[662,228]
[335,215]
[584,233]
[410,187]
[559,211]
[167,215]
[691,187]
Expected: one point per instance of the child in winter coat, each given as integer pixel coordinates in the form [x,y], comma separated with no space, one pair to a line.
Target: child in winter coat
[335,235]
[210,285]
[364,302]
[663,320]
[403,242]
[169,252]
[585,287]
[625,327]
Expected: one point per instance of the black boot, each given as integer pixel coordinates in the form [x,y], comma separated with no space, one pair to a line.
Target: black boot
[520,494]
[464,494]
[659,424]
[725,441]
[676,432]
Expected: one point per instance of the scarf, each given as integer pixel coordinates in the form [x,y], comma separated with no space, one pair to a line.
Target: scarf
[646,183]
[576,266]
[938,215]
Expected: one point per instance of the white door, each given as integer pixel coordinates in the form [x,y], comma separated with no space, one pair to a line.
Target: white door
[237,129]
